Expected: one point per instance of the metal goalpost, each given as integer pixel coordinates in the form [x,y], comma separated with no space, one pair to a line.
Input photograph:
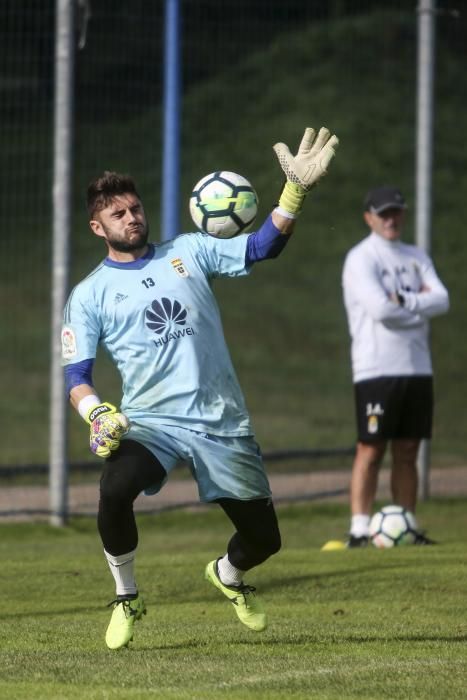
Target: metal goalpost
[61,202]
[426,23]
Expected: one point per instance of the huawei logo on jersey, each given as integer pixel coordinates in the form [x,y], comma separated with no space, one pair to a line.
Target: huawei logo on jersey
[162,314]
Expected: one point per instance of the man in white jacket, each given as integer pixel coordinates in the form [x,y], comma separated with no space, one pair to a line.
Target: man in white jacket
[391,290]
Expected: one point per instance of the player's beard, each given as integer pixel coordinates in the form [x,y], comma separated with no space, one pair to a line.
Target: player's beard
[126,246]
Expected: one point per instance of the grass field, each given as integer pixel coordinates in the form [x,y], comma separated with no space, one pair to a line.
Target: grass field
[352,624]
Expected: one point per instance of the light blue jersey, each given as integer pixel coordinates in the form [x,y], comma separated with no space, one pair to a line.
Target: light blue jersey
[158,319]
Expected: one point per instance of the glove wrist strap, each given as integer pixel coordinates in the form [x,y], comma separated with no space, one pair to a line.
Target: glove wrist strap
[99,410]
[291,200]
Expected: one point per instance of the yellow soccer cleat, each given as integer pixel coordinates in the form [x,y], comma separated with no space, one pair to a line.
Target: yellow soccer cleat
[125,613]
[243,598]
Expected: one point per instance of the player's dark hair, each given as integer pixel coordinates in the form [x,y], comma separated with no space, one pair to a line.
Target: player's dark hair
[105,188]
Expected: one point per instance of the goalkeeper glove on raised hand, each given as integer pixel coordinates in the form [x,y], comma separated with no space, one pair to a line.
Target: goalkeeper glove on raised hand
[304,169]
[107,428]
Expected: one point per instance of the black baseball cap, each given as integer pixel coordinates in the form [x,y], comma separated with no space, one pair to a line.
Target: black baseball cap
[381,198]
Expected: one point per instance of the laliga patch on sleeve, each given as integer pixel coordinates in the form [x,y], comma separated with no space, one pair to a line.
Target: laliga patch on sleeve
[68,344]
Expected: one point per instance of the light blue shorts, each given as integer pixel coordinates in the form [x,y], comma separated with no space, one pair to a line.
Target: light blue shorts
[223,467]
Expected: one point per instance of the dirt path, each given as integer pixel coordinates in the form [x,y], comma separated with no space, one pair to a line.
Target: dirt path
[24,502]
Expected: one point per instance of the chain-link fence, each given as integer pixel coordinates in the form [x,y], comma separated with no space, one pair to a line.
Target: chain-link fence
[252,74]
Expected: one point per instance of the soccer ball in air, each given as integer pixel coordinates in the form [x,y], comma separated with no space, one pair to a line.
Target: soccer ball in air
[223,204]
[393,526]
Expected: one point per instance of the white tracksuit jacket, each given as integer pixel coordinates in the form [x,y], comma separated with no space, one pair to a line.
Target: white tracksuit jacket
[389,339]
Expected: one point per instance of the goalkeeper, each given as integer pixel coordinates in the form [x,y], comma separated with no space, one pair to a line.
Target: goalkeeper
[151,307]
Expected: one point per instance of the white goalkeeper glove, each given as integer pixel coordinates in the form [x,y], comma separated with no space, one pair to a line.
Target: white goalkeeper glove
[304,169]
[107,428]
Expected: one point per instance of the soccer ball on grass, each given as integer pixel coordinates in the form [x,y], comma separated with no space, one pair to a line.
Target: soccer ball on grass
[393,526]
[223,204]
